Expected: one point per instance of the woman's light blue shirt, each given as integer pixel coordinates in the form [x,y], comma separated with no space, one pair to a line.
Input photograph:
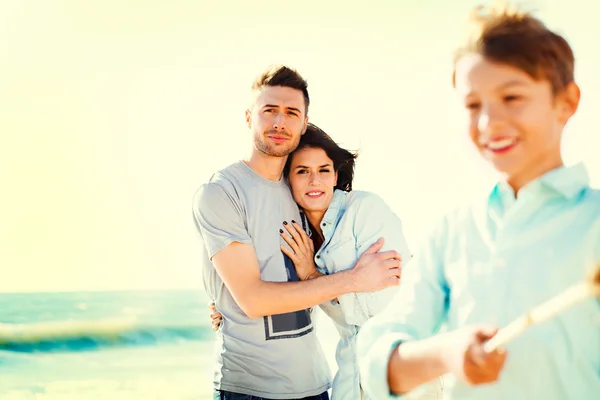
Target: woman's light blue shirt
[353,222]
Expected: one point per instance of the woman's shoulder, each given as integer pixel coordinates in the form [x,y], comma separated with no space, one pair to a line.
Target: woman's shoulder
[357,198]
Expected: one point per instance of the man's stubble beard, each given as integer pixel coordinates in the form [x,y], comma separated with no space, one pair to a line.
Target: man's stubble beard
[275,151]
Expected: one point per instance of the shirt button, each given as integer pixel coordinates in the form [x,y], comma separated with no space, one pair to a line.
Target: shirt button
[318,256]
[324,224]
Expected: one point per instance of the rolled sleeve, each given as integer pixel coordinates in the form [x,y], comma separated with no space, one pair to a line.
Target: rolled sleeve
[374,352]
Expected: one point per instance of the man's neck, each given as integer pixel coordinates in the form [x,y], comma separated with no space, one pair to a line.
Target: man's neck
[268,167]
[517,182]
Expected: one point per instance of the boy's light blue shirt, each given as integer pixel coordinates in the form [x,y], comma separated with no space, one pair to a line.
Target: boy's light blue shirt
[489,263]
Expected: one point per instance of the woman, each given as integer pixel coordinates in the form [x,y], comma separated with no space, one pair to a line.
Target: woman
[341,224]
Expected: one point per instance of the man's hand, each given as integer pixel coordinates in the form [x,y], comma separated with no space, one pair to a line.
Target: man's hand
[375,271]
[303,250]
[464,356]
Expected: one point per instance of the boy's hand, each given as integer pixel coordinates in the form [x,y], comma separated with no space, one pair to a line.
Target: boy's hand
[464,355]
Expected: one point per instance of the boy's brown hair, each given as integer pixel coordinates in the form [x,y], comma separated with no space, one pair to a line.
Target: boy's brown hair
[280,75]
[516,38]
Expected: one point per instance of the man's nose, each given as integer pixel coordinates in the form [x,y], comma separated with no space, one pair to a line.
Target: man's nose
[279,122]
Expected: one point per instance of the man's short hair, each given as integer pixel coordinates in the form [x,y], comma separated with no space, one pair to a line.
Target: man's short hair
[280,75]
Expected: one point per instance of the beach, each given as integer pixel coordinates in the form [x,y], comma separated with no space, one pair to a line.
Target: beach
[167,356]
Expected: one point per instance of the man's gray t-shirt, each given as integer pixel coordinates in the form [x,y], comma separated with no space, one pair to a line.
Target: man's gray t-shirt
[277,356]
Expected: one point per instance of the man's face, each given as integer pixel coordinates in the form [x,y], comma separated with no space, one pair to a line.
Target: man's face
[514,121]
[277,120]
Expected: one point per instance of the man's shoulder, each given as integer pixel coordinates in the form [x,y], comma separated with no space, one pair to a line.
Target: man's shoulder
[226,176]
[221,185]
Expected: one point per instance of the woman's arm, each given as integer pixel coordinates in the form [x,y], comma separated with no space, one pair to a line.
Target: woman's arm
[373,219]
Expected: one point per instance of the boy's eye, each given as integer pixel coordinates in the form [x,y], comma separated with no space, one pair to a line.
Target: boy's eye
[512,97]
[472,106]
[292,113]
[302,171]
[325,170]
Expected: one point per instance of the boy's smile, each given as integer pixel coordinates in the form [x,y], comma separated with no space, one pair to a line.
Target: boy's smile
[515,121]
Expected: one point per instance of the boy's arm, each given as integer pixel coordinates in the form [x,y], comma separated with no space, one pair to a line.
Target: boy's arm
[459,352]
[415,313]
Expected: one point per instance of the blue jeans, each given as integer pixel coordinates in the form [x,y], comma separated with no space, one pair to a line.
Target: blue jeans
[225,395]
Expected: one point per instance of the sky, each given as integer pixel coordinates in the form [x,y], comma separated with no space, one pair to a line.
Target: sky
[113,113]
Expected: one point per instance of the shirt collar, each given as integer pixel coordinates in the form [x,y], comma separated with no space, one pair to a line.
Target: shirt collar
[335,207]
[567,182]
[331,215]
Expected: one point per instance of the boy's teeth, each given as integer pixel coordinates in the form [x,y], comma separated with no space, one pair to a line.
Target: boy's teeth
[500,144]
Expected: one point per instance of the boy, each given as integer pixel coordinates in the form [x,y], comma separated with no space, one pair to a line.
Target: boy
[486,264]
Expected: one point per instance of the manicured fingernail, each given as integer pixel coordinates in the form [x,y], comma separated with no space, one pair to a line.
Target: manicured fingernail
[285,222]
[281,231]
[293,222]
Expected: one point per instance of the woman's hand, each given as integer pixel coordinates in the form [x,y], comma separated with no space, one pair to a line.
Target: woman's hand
[302,250]
[215,316]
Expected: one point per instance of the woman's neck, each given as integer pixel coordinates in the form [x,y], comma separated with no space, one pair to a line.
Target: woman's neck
[315,218]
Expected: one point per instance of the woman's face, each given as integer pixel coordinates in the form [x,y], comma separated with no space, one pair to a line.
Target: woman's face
[312,179]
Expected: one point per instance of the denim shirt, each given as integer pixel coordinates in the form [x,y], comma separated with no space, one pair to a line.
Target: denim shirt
[353,222]
[491,262]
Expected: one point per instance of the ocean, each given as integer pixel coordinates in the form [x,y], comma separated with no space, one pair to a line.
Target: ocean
[111,345]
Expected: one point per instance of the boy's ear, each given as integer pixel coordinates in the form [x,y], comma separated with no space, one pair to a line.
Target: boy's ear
[568,102]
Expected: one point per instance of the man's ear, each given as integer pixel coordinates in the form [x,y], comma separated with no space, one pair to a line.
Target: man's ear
[305,125]
[249,118]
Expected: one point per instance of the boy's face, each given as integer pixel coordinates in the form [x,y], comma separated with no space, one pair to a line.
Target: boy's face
[515,121]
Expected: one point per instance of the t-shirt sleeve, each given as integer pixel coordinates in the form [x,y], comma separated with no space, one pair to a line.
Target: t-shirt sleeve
[219,218]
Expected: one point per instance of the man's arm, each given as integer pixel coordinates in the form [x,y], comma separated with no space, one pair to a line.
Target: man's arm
[237,265]
[221,223]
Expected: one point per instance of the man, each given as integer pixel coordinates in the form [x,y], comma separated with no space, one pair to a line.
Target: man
[267,344]
[486,264]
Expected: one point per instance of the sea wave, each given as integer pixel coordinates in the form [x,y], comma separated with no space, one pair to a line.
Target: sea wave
[71,336]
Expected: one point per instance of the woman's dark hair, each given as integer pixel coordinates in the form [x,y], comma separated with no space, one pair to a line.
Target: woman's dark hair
[343,160]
